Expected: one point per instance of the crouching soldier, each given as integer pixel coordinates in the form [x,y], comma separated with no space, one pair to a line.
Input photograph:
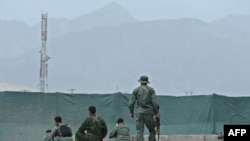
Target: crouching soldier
[120,132]
[47,138]
[93,128]
[62,132]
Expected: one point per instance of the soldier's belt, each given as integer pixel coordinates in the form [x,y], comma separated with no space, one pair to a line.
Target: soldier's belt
[94,135]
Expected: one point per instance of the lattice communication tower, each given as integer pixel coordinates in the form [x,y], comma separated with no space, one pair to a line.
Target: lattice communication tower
[44,56]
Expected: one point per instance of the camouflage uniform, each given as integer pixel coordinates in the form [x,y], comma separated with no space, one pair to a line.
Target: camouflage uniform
[92,129]
[57,135]
[147,107]
[120,133]
[47,139]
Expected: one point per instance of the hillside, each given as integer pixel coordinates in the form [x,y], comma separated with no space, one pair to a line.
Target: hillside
[178,55]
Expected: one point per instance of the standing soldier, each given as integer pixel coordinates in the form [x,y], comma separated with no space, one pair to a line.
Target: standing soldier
[93,128]
[146,108]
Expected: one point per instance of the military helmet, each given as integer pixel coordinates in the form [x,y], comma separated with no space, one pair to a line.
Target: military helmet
[144,79]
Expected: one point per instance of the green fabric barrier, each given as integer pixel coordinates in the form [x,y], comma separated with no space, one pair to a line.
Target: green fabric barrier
[26,116]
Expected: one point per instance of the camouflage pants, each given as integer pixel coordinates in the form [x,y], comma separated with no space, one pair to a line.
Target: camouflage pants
[86,137]
[145,119]
[63,139]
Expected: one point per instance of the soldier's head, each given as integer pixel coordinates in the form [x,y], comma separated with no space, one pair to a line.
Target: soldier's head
[144,80]
[92,110]
[48,132]
[120,120]
[58,120]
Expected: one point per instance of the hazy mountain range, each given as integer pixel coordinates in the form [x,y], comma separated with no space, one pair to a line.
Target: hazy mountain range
[107,50]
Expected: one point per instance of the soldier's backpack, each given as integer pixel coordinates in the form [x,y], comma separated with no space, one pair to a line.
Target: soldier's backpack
[142,94]
[65,130]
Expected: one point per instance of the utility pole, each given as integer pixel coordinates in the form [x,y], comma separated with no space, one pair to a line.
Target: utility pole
[190,93]
[72,90]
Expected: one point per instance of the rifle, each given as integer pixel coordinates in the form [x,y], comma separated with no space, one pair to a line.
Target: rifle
[157,122]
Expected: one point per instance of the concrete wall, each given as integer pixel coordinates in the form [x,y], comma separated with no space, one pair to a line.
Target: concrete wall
[179,138]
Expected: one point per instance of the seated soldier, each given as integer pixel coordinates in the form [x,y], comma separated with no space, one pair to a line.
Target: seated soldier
[94,128]
[120,132]
[47,138]
[62,132]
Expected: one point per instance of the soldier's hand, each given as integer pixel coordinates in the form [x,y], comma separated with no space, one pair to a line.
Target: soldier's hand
[158,115]
[132,115]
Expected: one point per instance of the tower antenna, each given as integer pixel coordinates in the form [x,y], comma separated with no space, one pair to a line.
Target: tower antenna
[44,56]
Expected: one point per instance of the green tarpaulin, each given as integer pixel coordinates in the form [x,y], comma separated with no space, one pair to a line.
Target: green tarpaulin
[26,116]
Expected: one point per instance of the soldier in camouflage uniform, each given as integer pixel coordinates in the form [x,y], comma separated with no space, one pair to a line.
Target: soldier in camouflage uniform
[120,132]
[57,133]
[93,128]
[147,106]
[47,138]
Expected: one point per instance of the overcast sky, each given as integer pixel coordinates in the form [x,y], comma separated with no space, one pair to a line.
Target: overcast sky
[29,11]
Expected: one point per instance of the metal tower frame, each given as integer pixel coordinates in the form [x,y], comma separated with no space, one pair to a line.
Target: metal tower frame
[44,56]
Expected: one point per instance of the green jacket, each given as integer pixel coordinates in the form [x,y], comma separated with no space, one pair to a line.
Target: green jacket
[93,126]
[120,132]
[57,135]
[145,98]
[47,139]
